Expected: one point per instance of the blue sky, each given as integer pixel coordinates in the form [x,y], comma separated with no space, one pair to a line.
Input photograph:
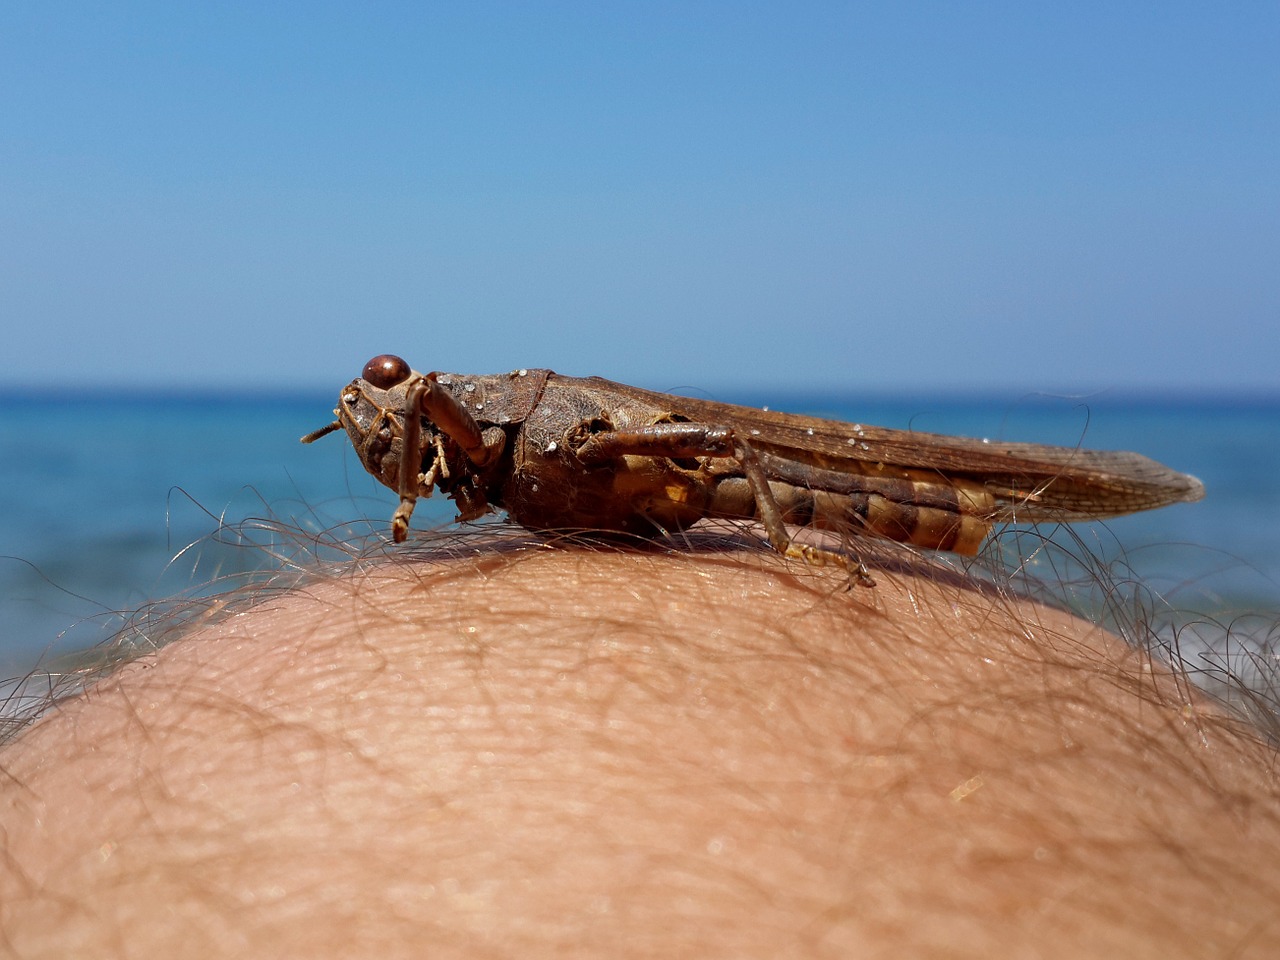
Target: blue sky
[993,196]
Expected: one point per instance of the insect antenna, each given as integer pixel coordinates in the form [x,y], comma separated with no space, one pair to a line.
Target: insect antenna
[324,431]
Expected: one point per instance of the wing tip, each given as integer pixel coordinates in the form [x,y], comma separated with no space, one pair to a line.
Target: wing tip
[1193,488]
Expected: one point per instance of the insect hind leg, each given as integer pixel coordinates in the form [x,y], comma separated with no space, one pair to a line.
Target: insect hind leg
[769,513]
[675,440]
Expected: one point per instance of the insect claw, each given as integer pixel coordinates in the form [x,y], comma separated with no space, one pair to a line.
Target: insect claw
[817,557]
[400,521]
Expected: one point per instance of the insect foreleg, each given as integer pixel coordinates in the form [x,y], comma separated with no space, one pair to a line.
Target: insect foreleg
[427,398]
[410,464]
[443,409]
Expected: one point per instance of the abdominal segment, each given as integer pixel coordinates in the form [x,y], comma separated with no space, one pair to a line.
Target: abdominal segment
[950,516]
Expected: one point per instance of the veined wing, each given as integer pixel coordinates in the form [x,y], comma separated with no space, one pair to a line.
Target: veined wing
[1030,481]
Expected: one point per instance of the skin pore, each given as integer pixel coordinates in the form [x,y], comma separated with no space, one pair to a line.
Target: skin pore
[576,752]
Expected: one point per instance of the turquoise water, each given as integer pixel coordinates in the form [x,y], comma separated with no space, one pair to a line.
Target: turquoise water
[104,493]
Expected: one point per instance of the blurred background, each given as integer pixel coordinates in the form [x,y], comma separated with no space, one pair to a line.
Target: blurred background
[1055,223]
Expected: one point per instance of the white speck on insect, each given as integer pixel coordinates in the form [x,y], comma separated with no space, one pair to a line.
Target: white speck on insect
[551,447]
[985,440]
[469,387]
[522,372]
[479,406]
[755,433]
[809,431]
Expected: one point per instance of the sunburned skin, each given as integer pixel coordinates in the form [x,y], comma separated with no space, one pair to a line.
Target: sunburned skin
[547,752]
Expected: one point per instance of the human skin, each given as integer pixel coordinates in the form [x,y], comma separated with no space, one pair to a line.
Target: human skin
[590,752]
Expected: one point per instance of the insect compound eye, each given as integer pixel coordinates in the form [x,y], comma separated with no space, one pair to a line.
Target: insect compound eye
[385,371]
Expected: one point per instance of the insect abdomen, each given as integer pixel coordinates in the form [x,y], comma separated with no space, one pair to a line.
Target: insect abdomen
[936,516]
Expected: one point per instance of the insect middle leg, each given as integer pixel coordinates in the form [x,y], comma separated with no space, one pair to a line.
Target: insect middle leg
[683,440]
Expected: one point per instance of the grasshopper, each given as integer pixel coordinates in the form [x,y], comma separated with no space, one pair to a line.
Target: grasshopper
[585,452]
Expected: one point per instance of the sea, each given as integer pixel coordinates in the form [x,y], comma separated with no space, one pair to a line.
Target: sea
[114,501]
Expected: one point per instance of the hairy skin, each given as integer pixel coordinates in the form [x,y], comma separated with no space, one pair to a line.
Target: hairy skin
[577,753]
